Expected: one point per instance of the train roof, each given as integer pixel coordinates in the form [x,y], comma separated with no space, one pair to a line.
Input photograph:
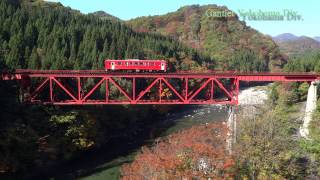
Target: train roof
[134,60]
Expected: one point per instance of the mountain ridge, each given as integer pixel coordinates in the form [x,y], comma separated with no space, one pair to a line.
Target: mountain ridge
[104,15]
[285,37]
[317,38]
[222,38]
[295,45]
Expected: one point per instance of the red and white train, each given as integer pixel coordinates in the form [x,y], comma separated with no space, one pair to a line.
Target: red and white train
[135,64]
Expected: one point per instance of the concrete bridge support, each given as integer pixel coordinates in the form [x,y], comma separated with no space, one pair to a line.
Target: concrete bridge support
[310,108]
[232,127]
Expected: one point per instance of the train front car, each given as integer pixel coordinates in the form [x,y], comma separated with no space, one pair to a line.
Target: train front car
[136,65]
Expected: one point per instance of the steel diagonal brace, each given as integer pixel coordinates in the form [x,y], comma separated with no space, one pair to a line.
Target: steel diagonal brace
[223,88]
[173,89]
[120,89]
[93,89]
[65,90]
[200,88]
[195,88]
[147,89]
[38,89]
[70,89]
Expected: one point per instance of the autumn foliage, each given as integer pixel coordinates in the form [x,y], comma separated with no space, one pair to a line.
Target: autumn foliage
[195,153]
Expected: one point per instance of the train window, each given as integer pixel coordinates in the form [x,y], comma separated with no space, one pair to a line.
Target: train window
[130,63]
[136,63]
[119,63]
[151,63]
[127,63]
[140,63]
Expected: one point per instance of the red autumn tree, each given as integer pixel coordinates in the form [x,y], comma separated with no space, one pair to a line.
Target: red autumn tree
[198,152]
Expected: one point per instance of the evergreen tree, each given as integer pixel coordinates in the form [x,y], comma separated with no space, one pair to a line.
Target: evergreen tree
[34,61]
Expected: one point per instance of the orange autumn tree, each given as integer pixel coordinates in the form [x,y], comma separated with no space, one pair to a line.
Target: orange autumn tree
[198,152]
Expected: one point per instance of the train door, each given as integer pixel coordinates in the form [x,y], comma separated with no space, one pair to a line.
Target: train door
[162,67]
[112,65]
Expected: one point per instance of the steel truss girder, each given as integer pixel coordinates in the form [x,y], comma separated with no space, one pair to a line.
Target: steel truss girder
[53,83]
[180,88]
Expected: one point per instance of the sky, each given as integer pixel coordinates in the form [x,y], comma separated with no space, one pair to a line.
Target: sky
[307,10]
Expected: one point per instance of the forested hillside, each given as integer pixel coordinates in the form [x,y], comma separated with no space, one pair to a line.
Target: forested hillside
[37,34]
[308,61]
[42,35]
[230,41]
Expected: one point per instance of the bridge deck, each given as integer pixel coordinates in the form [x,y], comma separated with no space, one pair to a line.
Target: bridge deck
[254,76]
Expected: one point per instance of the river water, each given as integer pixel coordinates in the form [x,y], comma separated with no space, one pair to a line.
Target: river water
[105,162]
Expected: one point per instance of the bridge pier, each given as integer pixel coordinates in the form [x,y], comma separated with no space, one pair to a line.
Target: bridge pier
[232,127]
[310,108]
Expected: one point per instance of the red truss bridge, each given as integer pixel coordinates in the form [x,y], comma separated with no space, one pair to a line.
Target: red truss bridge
[94,87]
